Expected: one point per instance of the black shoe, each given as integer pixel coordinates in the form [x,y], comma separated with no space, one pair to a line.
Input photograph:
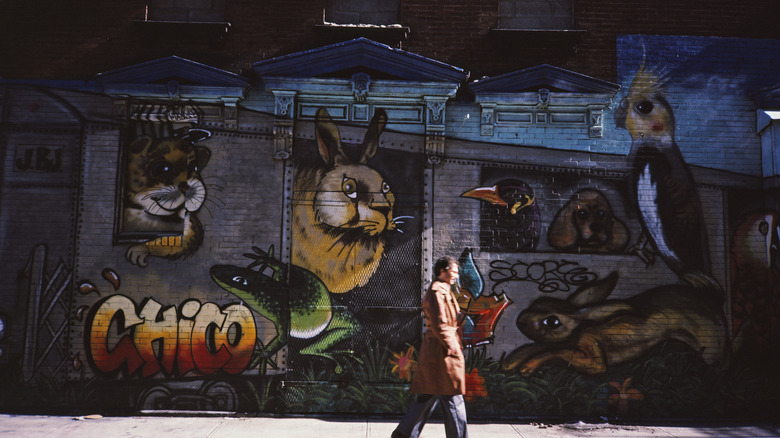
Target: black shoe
[397,434]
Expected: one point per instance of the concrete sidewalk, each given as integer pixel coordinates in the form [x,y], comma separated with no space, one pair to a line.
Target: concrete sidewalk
[29,426]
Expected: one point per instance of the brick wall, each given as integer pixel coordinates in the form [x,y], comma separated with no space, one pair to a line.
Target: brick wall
[81,38]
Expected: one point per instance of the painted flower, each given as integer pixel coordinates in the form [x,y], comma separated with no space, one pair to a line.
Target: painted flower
[623,395]
[403,364]
[475,386]
[481,316]
[479,313]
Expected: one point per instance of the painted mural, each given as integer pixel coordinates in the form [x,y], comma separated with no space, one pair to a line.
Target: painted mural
[163,188]
[661,185]
[755,306]
[356,221]
[587,224]
[627,284]
[343,210]
[198,337]
[509,215]
[300,309]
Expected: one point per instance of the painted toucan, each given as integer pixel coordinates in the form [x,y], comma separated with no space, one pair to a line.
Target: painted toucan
[661,183]
[510,219]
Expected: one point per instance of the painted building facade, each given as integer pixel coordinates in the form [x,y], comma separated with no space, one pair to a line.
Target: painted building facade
[177,237]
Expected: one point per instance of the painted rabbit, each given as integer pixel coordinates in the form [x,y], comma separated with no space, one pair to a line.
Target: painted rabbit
[342,210]
[592,333]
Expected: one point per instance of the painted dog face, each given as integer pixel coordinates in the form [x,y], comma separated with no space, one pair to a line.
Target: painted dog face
[586,223]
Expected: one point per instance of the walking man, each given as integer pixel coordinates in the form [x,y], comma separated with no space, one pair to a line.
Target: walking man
[440,376]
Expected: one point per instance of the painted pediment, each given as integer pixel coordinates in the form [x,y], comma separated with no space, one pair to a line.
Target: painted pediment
[361,55]
[545,76]
[542,96]
[176,79]
[173,68]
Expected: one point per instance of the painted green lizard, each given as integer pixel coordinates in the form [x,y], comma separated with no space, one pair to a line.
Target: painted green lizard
[301,310]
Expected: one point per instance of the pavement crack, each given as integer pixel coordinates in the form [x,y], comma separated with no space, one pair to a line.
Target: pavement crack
[215,429]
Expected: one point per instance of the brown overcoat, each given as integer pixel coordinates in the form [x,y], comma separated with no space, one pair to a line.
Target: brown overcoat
[441,367]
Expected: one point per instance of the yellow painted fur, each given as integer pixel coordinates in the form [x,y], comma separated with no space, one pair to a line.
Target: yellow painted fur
[342,210]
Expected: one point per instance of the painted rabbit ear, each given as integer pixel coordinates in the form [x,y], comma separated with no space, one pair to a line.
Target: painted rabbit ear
[328,141]
[371,140]
[594,291]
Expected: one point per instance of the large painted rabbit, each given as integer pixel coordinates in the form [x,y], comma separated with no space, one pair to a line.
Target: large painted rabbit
[342,209]
[591,333]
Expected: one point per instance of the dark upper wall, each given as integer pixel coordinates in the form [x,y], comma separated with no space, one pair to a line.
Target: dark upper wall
[45,39]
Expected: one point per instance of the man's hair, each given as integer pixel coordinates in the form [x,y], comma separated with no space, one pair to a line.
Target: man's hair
[442,264]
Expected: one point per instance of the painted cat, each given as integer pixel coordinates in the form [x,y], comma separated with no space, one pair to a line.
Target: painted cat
[163,190]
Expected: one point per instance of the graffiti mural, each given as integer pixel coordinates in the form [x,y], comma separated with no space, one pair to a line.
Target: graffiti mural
[615,337]
[209,396]
[152,338]
[344,209]
[661,184]
[618,244]
[587,224]
[755,306]
[163,188]
[549,275]
[510,216]
[356,240]
[480,311]
[301,309]
[590,333]
[40,159]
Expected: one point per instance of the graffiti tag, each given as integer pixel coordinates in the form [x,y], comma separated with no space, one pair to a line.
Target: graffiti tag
[40,159]
[150,338]
[550,275]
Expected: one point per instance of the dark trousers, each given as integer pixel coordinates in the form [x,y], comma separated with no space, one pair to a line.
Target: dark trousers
[453,408]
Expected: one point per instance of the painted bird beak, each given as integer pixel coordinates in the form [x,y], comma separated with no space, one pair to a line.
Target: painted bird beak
[487,194]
